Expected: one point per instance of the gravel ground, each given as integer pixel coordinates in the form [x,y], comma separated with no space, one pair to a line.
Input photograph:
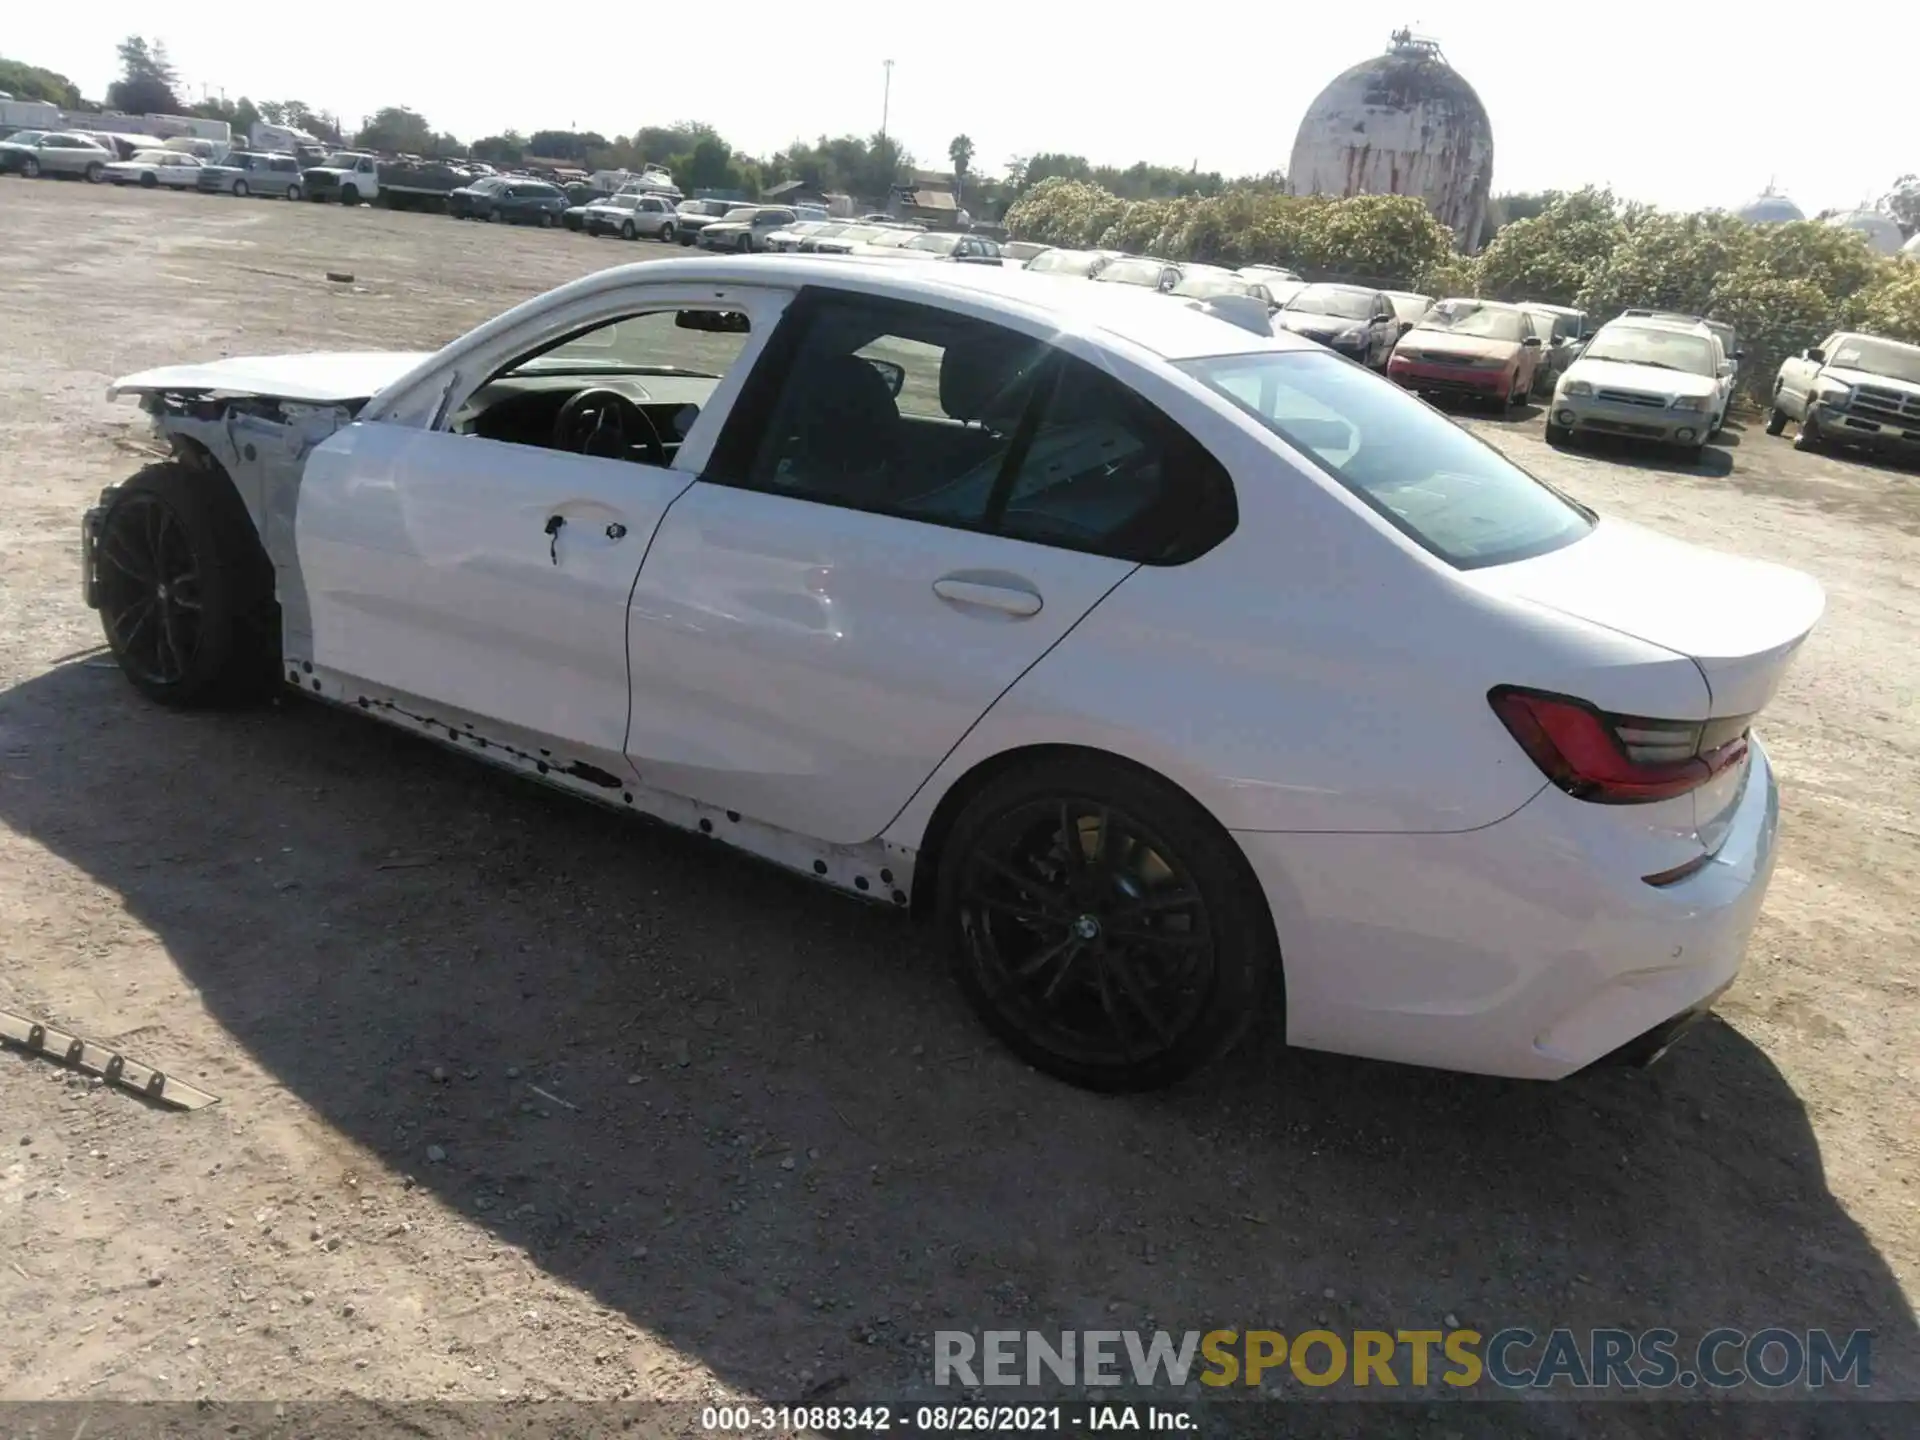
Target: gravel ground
[521,1100]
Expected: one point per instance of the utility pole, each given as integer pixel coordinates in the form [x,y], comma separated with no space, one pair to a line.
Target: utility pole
[886,98]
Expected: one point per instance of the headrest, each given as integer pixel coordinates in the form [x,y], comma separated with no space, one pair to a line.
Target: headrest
[981,376]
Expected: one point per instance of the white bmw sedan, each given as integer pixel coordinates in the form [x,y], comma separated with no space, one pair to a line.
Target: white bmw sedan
[1168,668]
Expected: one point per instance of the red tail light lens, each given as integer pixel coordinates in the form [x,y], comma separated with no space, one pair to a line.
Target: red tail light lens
[1617,759]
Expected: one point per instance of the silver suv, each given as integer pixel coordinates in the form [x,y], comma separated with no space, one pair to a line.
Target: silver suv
[254,172]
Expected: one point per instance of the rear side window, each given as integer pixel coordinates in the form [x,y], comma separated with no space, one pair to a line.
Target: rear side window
[1459,498]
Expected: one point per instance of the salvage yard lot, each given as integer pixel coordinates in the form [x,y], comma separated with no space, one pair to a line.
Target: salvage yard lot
[523,1099]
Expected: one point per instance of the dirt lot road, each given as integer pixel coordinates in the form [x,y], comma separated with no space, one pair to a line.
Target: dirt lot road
[521,1100]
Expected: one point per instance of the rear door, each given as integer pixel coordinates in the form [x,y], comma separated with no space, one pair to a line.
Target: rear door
[877,552]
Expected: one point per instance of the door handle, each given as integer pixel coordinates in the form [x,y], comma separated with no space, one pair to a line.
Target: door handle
[1011,599]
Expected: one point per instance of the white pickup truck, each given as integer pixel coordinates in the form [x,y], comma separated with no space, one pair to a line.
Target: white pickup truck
[349,176]
[1853,390]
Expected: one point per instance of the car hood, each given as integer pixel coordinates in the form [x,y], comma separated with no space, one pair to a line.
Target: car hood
[1650,379]
[1445,342]
[1867,377]
[1302,322]
[728,225]
[1741,621]
[323,379]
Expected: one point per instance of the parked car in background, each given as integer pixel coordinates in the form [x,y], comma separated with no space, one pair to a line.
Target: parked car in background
[745,228]
[1022,250]
[1853,389]
[631,215]
[1487,351]
[935,245]
[1266,273]
[840,239]
[253,172]
[1143,270]
[1563,332]
[1723,367]
[349,176]
[1200,283]
[55,152]
[1408,308]
[1351,319]
[1642,381]
[696,215]
[173,168]
[786,240]
[1159,665]
[1082,263]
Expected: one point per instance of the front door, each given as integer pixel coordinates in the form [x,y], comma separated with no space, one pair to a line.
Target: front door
[486,566]
[908,509]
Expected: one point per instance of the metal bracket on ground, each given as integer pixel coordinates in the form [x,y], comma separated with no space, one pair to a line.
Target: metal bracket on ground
[29,1036]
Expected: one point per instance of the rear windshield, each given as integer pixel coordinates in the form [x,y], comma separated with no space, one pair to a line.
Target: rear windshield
[1456,496]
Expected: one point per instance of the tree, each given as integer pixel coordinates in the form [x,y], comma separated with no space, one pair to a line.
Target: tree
[960,152]
[398,130]
[147,80]
[1550,257]
[298,115]
[507,149]
[30,82]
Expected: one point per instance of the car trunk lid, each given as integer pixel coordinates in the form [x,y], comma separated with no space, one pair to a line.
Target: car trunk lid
[1740,621]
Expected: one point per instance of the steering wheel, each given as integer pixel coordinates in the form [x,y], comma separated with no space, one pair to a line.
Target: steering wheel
[599,421]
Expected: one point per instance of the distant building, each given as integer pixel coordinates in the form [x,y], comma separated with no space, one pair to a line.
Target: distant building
[1770,207]
[1880,230]
[793,192]
[927,198]
[1402,123]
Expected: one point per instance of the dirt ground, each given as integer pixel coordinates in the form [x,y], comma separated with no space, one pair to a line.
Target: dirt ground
[520,1100]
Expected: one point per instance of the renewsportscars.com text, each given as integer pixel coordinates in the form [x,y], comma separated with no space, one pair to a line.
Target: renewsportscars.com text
[1510,1359]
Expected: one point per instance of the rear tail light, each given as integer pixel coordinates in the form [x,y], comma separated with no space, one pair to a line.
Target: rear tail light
[1617,759]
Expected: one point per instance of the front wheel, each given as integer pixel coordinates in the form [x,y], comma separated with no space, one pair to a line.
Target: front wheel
[30,168]
[546,219]
[349,195]
[1102,924]
[1559,434]
[185,592]
[1809,436]
[666,233]
[240,189]
[687,239]
[149,181]
[293,192]
[746,244]
[95,172]
[627,232]
[1776,420]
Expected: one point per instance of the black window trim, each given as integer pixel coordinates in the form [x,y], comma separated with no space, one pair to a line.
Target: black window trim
[744,431]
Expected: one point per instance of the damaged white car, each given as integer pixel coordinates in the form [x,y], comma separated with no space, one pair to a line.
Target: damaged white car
[1168,666]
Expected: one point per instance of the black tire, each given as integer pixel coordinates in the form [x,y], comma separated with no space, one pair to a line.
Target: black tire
[546,219]
[185,590]
[1808,436]
[627,231]
[95,172]
[686,238]
[1220,935]
[240,190]
[1776,420]
[149,180]
[293,192]
[493,217]
[30,168]
[666,233]
[349,194]
[1558,434]
[746,244]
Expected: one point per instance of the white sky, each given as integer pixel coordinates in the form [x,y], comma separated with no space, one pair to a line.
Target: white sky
[1684,105]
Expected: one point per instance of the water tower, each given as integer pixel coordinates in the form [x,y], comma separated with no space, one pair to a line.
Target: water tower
[1402,123]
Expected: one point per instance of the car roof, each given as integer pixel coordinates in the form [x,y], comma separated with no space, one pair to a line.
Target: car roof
[1166,327]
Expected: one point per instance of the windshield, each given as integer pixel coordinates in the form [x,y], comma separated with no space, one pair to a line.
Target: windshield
[1410,307]
[1666,349]
[1066,262]
[1485,323]
[743,213]
[1878,357]
[1133,272]
[1323,300]
[1459,498]
[893,239]
[26,137]
[620,202]
[652,344]
[160,157]
[1205,287]
[342,160]
[934,244]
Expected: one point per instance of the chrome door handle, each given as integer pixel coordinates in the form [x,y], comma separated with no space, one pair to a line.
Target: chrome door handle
[1011,599]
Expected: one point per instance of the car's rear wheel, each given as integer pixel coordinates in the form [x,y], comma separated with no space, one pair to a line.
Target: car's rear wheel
[293,192]
[240,189]
[149,180]
[30,168]
[1102,924]
[546,219]
[666,233]
[184,590]
[94,172]
[746,244]
[1809,436]
[627,232]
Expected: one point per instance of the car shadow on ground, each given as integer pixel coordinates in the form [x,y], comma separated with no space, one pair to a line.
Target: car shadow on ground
[822,1156]
[1716,460]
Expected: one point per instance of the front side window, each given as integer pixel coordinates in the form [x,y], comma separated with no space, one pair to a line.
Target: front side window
[1459,498]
